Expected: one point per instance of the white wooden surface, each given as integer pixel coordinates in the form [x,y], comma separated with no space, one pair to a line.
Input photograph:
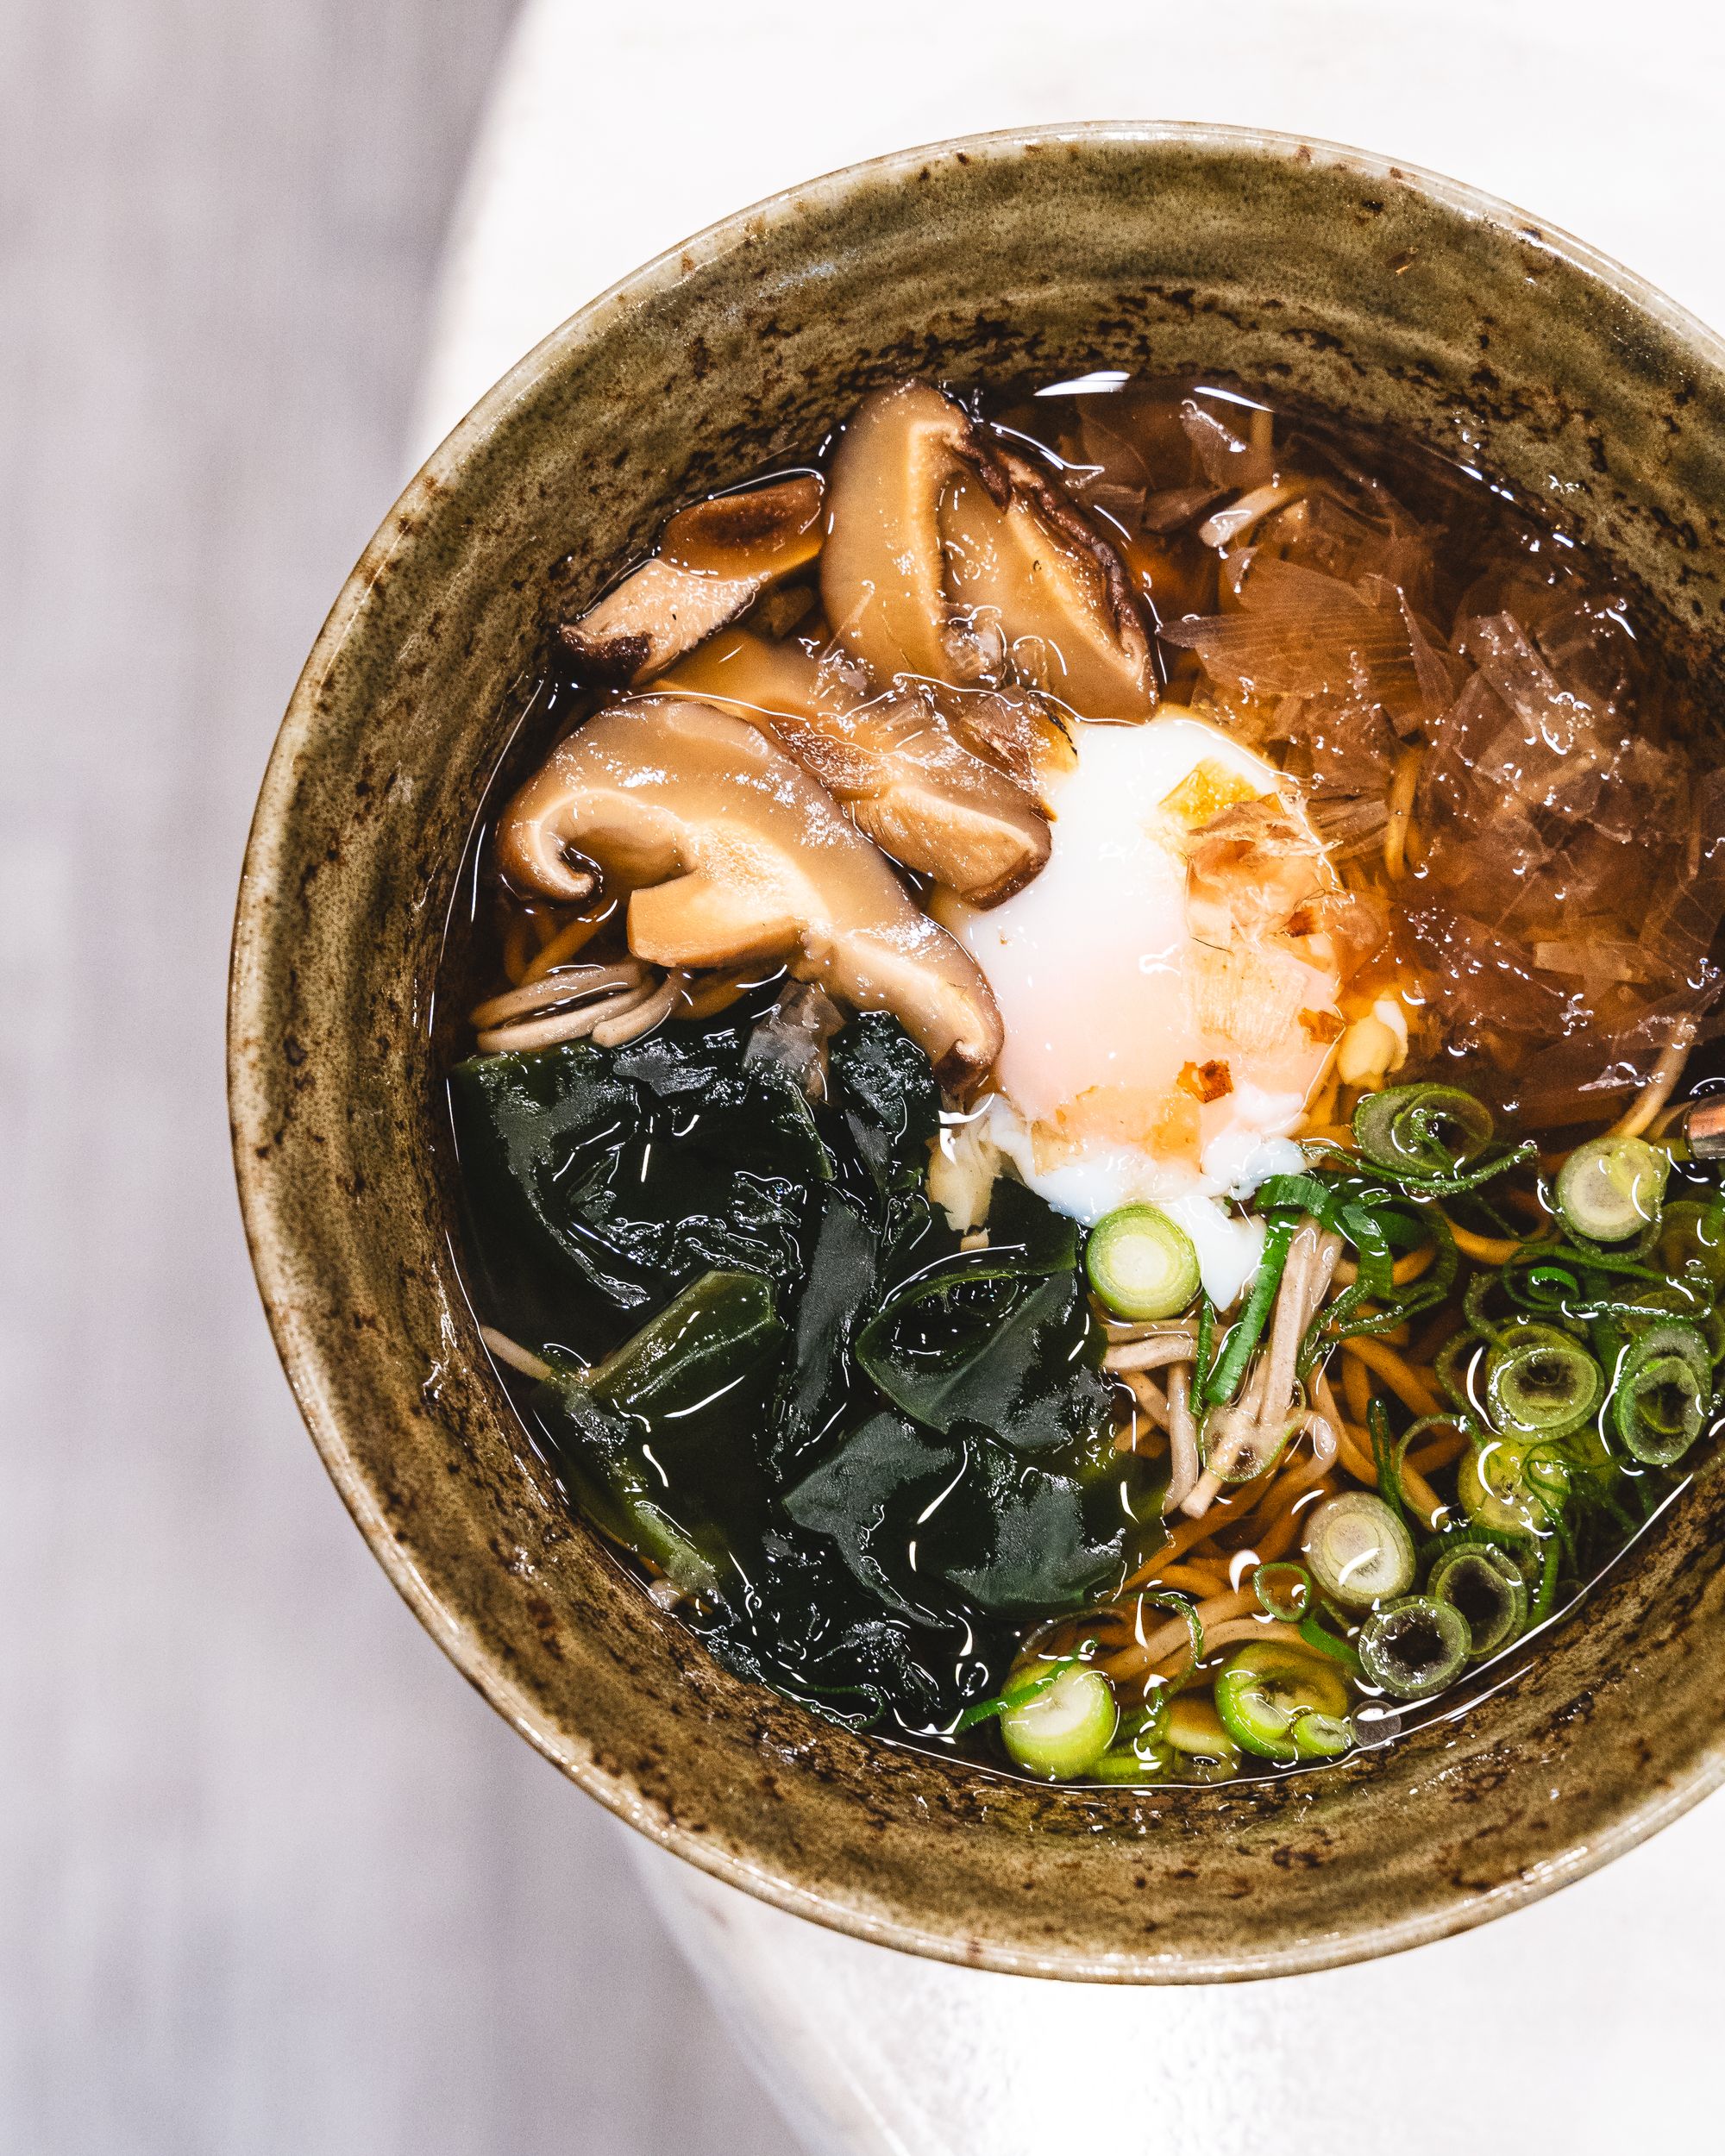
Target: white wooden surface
[273,1881]
[1586,2024]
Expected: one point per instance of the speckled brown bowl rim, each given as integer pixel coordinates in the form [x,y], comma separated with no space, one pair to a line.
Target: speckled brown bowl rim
[304,1354]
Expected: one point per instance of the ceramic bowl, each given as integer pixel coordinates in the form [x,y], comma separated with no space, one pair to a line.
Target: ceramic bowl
[1321,273]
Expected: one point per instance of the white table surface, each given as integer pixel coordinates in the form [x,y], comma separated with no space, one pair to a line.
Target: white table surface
[1589,2020]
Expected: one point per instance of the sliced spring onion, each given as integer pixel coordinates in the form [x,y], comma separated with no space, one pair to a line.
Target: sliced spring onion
[1414,1647]
[1461,1533]
[1322,1736]
[1485,1584]
[1611,1189]
[1546,1593]
[1182,1606]
[1295,1195]
[1200,1749]
[1676,1305]
[1065,1728]
[1662,1395]
[1193,1728]
[1283,1590]
[1130,1762]
[1515,1485]
[1223,1382]
[1453,1362]
[1203,1361]
[1139,1751]
[1540,1381]
[1267,1695]
[1025,1683]
[1317,1635]
[1691,1237]
[1359,1552]
[1141,1264]
[1422,1130]
[1387,1458]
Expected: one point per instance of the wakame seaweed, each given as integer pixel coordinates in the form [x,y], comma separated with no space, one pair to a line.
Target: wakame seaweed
[997,1340]
[637,1170]
[866,1454]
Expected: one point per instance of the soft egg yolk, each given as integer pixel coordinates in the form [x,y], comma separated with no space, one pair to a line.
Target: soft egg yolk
[1139,1062]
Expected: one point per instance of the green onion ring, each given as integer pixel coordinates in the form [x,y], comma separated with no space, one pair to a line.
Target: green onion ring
[1448,1357]
[1387,1459]
[1662,1395]
[1178,1605]
[1400,1129]
[1484,1582]
[1540,1381]
[1287,1608]
[1027,1688]
[1414,1647]
[1316,1633]
[1295,1195]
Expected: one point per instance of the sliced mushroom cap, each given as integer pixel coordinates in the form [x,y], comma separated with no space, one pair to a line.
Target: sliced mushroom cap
[882,575]
[757,531]
[732,851]
[1060,596]
[715,559]
[947,553]
[907,779]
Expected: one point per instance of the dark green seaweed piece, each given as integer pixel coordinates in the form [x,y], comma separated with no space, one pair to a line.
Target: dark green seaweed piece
[935,1530]
[865,1497]
[656,1439]
[840,1291]
[999,1340]
[868,1556]
[885,1085]
[719,1328]
[641,1170]
[1020,1540]
[808,1630]
[599,1454]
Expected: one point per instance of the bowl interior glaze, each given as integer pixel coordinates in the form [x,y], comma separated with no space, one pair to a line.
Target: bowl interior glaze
[1322,273]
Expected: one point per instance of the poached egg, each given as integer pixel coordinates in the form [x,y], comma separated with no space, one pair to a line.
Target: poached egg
[1148,1057]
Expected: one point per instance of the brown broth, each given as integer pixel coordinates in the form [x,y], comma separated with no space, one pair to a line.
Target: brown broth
[1503,760]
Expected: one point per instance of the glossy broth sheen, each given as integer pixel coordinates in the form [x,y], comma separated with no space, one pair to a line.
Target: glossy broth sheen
[1257,770]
